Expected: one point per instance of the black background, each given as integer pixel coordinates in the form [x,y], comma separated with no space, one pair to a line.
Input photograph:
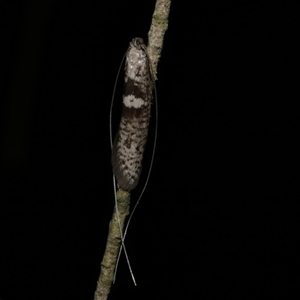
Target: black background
[218,219]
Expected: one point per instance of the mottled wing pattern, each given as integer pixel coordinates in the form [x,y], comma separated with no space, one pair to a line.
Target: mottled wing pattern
[131,137]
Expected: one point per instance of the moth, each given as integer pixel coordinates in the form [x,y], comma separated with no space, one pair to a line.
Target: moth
[130,140]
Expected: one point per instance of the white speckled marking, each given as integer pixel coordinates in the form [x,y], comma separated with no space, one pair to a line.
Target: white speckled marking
[137,61]
[132,101]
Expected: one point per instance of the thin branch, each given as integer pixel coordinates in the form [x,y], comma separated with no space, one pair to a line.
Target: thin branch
[156,34]
[112,246]
[157,31]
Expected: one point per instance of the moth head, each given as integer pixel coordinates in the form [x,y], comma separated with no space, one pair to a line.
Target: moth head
[137,43]
[136,54]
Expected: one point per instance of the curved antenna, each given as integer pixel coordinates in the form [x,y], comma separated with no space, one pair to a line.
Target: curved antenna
[115,185]
[150,167]
[112,103]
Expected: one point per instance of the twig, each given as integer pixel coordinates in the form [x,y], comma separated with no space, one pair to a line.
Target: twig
[157,31]
[112,246]
[156,34]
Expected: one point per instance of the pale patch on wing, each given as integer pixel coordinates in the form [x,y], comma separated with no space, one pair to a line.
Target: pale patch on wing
[132,101]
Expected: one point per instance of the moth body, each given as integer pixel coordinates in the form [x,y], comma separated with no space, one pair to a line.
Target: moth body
[130,141]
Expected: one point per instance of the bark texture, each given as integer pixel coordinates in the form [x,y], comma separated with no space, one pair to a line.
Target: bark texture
[112,246]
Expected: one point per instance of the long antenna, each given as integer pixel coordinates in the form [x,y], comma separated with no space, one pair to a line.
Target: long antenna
[150,167]
[114,180]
